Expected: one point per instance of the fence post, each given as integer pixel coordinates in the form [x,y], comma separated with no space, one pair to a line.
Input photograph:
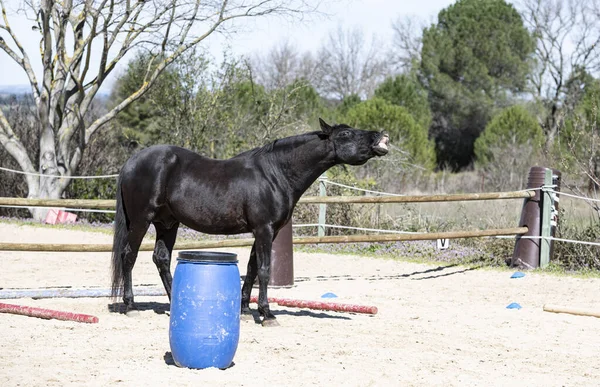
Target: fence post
[546,219]
[556,180]
[322,206]
[282,258]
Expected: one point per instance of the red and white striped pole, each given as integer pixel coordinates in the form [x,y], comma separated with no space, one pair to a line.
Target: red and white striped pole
[321,305]
[47,313]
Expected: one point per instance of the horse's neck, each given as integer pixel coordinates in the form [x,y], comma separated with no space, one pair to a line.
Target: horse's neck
[305,163]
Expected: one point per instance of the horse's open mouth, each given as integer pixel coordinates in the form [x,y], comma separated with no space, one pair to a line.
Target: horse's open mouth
[381,147]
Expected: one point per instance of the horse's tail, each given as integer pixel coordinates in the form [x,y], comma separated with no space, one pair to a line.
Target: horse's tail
[119,243]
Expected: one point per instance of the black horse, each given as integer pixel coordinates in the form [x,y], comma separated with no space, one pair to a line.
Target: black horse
[255,191]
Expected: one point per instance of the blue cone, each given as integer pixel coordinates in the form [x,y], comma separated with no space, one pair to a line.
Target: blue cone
[513,305]
[517,274]
[329,295]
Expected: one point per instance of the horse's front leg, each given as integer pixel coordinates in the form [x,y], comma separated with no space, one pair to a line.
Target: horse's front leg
[263,241]
[163,249]
[251,273]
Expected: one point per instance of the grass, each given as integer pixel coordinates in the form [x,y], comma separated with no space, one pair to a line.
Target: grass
[471,259]
[559,271]
[412,251]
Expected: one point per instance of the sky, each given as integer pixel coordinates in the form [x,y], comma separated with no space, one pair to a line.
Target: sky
[372,16]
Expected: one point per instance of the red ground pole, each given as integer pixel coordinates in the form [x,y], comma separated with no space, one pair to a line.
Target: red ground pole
[321,305]
[47,313]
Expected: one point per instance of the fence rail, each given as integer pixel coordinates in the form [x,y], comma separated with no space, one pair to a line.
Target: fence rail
[93,204]
[74,247]
[419,198]
[110,204]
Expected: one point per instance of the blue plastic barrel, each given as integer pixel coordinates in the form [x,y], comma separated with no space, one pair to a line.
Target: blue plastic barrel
[204,327]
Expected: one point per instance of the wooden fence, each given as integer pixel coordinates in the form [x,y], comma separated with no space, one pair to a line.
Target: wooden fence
[235,242]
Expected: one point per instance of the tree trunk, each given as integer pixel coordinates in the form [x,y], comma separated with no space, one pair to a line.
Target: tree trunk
[49,189]
[51,185]
[551,127]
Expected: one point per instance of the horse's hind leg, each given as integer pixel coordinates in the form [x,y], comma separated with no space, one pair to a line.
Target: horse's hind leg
[264,242]
[165,240]
[251,273]
[134,240]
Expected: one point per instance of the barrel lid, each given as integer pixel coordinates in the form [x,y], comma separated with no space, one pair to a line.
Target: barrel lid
[206,256]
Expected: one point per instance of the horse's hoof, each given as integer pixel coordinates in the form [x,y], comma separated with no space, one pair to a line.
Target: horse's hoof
[132,313]
[270,323]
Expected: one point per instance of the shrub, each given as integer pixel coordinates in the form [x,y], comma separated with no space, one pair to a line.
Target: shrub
[574,256]
[405,133]
[512,127]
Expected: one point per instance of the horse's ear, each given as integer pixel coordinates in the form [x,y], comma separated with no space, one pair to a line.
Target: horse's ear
[325,127]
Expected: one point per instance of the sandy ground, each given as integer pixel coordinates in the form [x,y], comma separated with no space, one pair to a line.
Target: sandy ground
[437,325]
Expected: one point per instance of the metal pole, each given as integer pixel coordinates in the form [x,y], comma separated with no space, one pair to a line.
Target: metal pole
[546,220]
[556,180]
[322,206]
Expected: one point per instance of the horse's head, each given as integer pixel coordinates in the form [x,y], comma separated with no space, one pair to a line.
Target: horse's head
[355,146]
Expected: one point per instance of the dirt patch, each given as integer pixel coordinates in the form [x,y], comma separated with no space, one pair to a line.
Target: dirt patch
[437,325]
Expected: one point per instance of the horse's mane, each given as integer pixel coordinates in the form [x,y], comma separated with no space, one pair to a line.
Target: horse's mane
[287,143]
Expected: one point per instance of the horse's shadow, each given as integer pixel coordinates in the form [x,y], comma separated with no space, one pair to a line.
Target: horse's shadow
[308,313]
[376,277]
[157,307]
[447,274]
[300,313]
[163,308]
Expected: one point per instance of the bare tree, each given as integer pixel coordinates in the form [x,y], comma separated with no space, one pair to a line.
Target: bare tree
[348,65]
[280,110]
[568,37]
[407,41]
[72,32]
[582,160]
[283,65]
[19,112]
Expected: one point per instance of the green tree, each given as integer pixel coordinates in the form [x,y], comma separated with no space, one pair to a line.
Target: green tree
[405,90]
[217,112]
[348,102]
[306,101]
[512,127]
[136,119]
[405,133]
[583,120]
[475,59]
